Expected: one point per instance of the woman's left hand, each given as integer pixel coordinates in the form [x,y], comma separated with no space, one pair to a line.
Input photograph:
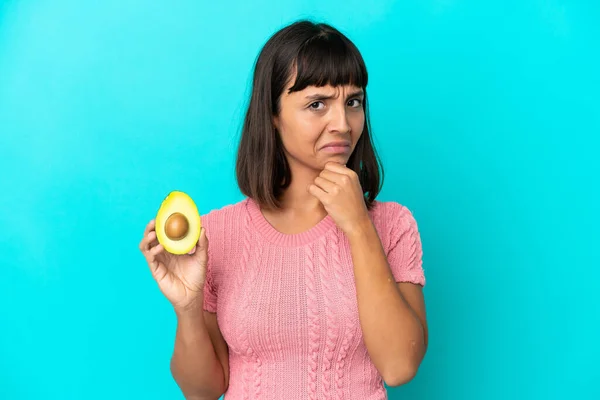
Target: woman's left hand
[338,189]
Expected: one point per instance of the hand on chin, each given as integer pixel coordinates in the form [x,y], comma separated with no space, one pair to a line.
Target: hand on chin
[338,188]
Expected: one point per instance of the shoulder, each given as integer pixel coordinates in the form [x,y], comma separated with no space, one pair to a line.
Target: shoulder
[224,222]
[222,226]
[400,237]
[386,212]
[224,215]
[392,220]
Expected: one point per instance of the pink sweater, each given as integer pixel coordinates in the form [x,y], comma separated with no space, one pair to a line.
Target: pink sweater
[287,307]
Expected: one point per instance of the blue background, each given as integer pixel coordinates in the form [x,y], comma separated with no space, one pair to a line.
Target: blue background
[487,118]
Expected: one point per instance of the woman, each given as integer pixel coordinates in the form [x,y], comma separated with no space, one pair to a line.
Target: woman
[309,288]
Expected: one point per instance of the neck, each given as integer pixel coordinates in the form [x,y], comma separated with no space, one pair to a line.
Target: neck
[297,197]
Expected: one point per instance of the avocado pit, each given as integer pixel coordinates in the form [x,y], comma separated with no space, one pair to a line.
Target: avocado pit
[176,226]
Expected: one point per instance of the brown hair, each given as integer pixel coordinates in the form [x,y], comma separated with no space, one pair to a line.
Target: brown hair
[320,55]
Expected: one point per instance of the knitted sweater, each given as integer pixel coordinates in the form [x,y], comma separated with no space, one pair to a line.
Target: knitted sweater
[286,303]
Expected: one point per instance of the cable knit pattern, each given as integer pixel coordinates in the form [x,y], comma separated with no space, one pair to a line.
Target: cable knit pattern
[255,357]
[348,332]
[286,303]
[330,323]
[313,322]
[242,277]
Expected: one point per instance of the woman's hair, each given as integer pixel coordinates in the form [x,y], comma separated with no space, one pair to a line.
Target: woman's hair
[319,55]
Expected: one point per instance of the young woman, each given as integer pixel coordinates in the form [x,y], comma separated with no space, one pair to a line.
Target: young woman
[309,288]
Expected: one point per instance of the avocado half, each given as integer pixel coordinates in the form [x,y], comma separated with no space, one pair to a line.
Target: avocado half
[178,223]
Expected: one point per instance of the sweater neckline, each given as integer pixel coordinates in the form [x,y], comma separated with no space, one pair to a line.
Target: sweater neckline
[269,232]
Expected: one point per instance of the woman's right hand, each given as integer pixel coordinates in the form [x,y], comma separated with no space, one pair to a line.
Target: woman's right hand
[180,277]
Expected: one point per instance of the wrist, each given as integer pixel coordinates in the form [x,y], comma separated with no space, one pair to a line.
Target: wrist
[191,310]
[360,228]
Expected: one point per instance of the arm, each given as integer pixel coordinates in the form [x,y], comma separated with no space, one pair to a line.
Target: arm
[392,315]
[200,363]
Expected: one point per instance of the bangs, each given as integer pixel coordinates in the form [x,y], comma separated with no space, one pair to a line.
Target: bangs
[329,60]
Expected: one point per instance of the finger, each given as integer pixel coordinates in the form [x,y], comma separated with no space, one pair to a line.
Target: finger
[195,248]
[151,259]
[333,176]
[152,240]
[149,227]
[201,249]
[327,185]
[347,174]
[148,242]
[339,168]
[156,250]
[202,240]
[144,242]
[158,270]
[319,193]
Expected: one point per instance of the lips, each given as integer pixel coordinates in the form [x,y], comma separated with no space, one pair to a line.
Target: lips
[336,147]
[336,144]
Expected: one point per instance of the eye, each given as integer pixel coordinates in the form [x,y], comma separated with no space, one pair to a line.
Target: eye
[315,105]
[357,103]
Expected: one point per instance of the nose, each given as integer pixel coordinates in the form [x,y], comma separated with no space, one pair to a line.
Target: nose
[339,120]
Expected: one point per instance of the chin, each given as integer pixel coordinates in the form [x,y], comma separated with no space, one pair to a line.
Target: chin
[319,164]
[338,158]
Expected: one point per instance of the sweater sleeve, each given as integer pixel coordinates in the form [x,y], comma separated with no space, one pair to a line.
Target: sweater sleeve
[210,288]
[405,253]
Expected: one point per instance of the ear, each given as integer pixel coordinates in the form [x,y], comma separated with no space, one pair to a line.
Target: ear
[275,121]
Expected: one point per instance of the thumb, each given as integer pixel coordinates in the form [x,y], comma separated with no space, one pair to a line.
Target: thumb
[202,240]
[202,245]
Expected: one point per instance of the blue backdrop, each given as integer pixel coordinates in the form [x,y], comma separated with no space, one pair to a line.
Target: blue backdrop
[487,118]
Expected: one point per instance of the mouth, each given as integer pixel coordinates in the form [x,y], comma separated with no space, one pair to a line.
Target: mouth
[337,147]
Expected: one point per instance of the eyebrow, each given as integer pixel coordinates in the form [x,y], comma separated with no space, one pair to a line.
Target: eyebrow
[321,96]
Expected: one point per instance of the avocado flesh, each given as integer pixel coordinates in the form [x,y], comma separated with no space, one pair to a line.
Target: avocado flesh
[178,202]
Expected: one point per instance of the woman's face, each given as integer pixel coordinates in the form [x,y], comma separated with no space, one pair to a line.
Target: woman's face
[320,124]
